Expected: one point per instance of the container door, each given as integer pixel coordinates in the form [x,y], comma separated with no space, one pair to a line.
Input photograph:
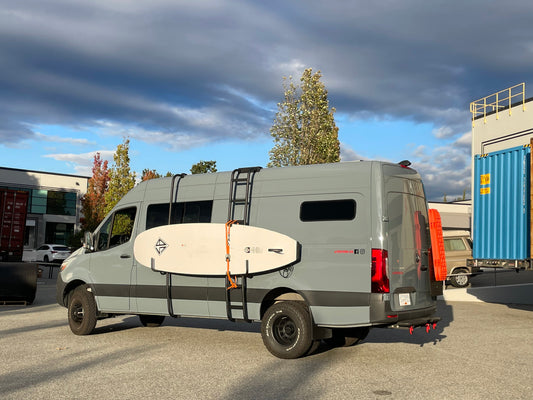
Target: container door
[408,250]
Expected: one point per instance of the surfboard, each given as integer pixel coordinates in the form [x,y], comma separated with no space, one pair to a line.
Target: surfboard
[200,249]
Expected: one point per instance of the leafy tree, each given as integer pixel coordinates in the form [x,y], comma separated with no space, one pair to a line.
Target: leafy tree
[204,167]
[149,174]
[121,178]
[304,129]
[93,203]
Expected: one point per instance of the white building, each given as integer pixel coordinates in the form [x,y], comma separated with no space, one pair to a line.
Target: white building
[54,204]
[501,121]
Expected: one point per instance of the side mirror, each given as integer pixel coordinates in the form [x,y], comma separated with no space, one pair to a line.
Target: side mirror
[88,241]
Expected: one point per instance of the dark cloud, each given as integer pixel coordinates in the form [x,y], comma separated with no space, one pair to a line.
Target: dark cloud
[213,69]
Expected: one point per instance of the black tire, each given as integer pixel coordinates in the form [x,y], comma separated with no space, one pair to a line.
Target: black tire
[460,281]
[82,311]
[151,321]
[346,337]
[45,258]
[287,330]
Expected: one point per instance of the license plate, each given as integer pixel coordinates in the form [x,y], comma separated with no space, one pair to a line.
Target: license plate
[404,299]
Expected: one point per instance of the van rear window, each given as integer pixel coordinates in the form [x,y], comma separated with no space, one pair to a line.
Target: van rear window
[328,210]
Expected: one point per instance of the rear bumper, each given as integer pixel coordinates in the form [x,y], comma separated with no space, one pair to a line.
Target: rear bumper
[381,314]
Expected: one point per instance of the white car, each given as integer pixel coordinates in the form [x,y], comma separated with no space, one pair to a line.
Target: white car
[52,253]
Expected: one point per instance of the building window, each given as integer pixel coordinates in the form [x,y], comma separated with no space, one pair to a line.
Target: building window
[39,199]
[52,202]
[58,233]
[327,210]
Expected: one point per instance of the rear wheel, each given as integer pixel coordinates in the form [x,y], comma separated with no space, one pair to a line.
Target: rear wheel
[151,321]
[82,311]
[287,330]
[460,279]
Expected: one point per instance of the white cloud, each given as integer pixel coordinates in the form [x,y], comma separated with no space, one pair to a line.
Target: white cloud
[348,154]
[82,163]
[58,139]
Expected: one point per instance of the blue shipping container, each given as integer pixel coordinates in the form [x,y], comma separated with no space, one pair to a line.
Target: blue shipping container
[502,204]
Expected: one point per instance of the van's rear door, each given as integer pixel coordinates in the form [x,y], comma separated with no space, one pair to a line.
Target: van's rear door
[408,239]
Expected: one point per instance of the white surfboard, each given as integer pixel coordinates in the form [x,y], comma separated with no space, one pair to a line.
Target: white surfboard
[200,249]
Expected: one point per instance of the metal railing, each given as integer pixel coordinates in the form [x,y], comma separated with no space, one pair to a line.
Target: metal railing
[498,101]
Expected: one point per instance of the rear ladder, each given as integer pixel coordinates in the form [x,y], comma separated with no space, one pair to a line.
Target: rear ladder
[240,191]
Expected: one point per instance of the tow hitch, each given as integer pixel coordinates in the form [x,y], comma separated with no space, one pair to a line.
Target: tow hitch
[412,324]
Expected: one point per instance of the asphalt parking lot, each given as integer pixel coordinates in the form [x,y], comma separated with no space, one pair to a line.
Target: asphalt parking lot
[478,351]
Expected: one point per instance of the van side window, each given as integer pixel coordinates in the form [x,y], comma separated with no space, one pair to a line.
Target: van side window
[182,213]
[117,229]
[328,210]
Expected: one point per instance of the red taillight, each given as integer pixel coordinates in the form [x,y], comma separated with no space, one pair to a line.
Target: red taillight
[380,281]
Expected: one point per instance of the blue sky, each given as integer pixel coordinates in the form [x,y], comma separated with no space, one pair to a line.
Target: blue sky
[189,81]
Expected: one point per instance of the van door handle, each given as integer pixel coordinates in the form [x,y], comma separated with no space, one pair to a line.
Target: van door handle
[125,256]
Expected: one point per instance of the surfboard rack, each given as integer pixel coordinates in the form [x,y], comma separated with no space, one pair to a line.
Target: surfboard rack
[170,306]
[242,288]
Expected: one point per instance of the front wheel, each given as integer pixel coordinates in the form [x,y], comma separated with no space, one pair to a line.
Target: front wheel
[287,329]
[460,279]
[82,311]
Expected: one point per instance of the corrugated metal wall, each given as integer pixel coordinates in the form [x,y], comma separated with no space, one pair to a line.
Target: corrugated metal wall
[502,204]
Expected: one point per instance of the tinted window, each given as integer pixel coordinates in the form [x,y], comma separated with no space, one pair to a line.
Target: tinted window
[182,213]
[328,210]
[117,229]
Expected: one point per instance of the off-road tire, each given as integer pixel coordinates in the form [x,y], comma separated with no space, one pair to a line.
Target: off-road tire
[287,329]
[82,311]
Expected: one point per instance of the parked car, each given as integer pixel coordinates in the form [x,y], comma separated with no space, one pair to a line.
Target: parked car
[52,253]
[458,248]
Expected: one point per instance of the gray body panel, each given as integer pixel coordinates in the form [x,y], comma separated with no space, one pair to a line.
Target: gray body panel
[333,274]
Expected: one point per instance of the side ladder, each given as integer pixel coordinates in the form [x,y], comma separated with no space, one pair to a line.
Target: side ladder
[240,191]
[173,197]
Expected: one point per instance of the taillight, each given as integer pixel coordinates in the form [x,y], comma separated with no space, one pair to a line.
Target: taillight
[380,281]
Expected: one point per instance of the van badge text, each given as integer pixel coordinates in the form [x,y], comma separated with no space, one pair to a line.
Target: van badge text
[354,251]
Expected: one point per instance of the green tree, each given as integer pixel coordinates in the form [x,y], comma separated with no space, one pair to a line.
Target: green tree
[204,167]
[304,129]
[93,202]
[122,180]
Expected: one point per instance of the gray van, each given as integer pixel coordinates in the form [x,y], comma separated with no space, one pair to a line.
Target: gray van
[363,235]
